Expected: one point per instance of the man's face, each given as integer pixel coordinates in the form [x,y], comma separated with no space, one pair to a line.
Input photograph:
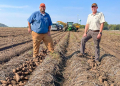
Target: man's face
[94,9]
[42,9]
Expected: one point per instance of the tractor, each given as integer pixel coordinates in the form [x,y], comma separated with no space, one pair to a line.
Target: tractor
[70,27]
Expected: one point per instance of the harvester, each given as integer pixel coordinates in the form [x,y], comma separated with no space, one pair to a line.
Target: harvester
[70,27]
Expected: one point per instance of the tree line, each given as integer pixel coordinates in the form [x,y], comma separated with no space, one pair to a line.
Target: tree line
[107,26]
[111,26]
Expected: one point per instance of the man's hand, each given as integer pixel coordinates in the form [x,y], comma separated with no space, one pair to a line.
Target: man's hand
[101,28]
[86,28]
[99,36]
[29,30]
[48,33]
[84,35]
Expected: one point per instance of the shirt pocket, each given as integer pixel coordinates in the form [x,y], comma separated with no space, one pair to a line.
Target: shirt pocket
[46,21]
[96,20]
[39,23]
[38,20]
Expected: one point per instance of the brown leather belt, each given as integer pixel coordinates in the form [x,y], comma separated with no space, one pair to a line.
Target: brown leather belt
[95,30]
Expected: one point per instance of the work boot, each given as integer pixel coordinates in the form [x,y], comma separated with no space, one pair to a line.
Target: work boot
[97,62]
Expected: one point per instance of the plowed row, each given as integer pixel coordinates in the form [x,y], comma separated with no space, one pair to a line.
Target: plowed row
[64,67]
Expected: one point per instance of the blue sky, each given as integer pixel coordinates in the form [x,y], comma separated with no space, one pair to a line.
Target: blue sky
[15,13]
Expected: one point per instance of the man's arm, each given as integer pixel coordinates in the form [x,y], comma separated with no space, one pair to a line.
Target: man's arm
[101,27]
[102,20]
[86,28]
[50,23]
[29,28]
[49,28]
[100,32]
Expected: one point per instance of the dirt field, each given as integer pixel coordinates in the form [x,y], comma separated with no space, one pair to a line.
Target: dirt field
[62,68]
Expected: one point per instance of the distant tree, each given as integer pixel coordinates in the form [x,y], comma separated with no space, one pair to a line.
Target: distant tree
[76,24]
[118,27]
[111,27]
[82,26]
[114,27]
[105,26]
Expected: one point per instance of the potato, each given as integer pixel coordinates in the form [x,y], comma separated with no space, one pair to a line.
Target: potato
[13,82]
[113,84]
[21,84]
[100,79]
[14,70]
[17,77]
[106,83]
[41,61]
[3,81]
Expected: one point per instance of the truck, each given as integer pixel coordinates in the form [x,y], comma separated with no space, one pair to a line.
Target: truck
[55,26]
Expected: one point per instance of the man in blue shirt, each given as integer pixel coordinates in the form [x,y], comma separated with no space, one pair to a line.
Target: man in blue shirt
[39,24]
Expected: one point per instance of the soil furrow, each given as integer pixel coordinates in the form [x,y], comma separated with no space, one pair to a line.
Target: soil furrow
[14,45]
[16,50]
[12,41]
[20,60]
[46,73]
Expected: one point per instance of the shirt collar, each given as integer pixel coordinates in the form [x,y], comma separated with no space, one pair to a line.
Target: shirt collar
[41,13]
[95,14]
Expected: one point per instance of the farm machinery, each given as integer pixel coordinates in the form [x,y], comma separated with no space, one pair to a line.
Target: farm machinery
[70,27]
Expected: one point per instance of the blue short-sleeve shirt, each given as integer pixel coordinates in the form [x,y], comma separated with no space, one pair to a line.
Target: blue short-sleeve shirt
[40,23]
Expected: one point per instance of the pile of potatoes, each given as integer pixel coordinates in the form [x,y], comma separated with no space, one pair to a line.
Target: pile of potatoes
[101,73]
[92,63]
[21,74]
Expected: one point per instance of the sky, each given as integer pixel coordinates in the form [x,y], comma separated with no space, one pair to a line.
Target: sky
[14,13]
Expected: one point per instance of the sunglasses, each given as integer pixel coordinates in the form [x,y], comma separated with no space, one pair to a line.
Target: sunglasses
[94,6]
